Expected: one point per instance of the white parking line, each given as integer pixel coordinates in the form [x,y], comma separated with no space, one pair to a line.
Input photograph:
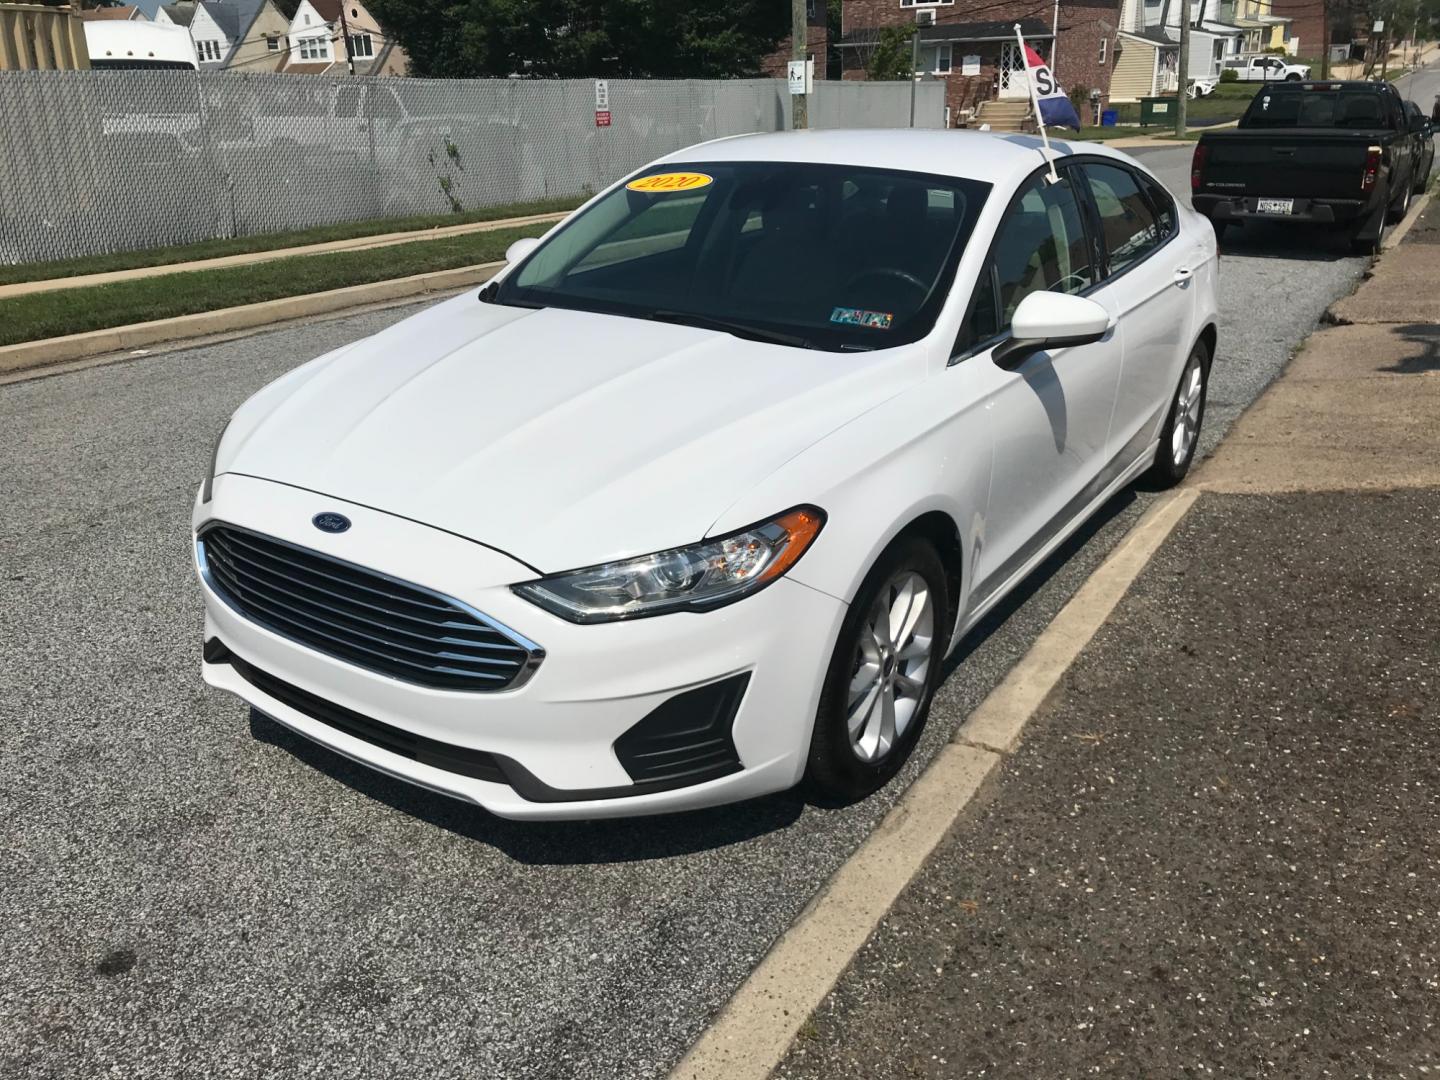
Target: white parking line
[751,1035]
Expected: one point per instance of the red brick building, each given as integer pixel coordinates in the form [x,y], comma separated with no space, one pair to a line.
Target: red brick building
[970,44]
[818,41]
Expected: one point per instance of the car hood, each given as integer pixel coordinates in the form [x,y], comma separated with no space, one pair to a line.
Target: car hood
[562,438]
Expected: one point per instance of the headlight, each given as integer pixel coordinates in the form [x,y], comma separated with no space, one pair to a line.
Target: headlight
[207,489]
[696,578]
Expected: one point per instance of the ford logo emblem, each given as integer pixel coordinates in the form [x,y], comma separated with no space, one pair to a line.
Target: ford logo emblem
[331,523]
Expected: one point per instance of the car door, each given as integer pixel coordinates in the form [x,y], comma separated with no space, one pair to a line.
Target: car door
[1148,284]
[1050,417]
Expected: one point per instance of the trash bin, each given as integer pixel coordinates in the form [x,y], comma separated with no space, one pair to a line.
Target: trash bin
[1156,110]
[1109,118]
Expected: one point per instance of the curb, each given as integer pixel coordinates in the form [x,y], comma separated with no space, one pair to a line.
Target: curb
[753,1032]
[34,354]
[1400,231]
[250,258]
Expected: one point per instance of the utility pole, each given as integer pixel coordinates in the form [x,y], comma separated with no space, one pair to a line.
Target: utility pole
[345,37]
[799,50]
[1182,68]
[914,69]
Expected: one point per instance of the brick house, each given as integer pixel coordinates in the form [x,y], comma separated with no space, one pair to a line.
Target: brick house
[817,38]
[975,54]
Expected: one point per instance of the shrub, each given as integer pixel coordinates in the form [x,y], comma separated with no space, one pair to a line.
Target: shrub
[1229,75]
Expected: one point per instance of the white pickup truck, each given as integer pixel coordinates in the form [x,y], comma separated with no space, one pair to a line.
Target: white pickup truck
[1266,69]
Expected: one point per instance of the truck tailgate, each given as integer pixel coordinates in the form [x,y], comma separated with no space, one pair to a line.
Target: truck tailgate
[1312,165]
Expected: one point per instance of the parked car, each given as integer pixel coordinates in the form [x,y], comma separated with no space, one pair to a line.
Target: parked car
[1424,132]
[1203,86]
[1341,154]
[1266,69]
[694,499]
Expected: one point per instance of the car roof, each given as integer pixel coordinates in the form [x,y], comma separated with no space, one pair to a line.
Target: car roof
[1338,84]
[994,157]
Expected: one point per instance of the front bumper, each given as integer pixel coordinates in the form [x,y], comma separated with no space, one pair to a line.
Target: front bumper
[554,737]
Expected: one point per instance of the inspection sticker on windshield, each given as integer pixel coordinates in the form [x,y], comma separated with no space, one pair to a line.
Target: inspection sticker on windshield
[671,181]
[875,320]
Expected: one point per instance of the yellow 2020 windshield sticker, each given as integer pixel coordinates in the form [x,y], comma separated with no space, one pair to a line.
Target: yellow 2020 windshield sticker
[660,183]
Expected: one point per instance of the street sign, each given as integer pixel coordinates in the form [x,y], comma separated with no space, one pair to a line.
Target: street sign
[602,95]
[1379,25]
[602,117]
[801,75]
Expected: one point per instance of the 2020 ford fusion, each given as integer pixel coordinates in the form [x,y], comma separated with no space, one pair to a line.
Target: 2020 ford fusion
[691,502]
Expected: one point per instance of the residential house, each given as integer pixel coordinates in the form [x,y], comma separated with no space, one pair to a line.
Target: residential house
[261,43]
[1264,28]
[41,37]
[817,40]
[1148,58]
[212,43]
[963,43]
[118,13]
[327,35]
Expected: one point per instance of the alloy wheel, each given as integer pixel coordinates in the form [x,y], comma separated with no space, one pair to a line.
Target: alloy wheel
[891,670]
[1188,402]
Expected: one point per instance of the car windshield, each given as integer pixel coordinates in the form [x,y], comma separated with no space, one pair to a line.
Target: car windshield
[822,256]
[1317,108]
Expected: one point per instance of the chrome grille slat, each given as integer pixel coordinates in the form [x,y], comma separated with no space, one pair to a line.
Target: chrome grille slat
[361,617]
[306,614]
[254,570]
[320,569]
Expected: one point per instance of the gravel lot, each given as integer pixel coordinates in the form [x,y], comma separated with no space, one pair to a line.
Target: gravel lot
[186,895]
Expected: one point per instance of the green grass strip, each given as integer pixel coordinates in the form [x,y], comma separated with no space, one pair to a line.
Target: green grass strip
[243,245]
[74,311]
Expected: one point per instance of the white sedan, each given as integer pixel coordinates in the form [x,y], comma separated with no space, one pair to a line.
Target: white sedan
[691,501]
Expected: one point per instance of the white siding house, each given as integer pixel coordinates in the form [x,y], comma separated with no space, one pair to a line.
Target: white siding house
[310,37]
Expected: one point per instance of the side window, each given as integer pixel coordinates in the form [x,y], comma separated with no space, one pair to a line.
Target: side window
[1127,225]
[1040,246]
[1164,206]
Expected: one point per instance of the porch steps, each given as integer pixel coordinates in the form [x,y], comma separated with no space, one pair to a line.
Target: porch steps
[1002,115]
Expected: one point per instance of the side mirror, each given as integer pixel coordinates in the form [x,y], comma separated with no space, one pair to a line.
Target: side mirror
[520,248]
[1418,124]
[1049,320]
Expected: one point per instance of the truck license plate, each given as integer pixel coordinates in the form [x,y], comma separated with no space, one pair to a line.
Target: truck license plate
[1275,206]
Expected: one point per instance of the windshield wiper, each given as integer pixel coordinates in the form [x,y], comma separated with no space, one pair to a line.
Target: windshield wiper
[727,326]
[491,291]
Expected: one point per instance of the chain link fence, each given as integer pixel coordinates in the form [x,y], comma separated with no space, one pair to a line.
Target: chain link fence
[93,162]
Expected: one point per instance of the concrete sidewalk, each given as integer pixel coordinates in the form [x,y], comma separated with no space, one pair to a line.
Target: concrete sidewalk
[358,243]
[1214,852]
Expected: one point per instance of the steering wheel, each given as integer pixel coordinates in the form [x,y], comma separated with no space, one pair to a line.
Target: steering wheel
[902,276]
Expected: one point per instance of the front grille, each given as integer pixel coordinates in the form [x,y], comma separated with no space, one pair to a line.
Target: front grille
[362,617]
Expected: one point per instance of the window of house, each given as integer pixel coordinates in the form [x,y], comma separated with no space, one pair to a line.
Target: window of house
[934,59]
[314,48]
[924,3]
[209,50]
[361,45]
[1041,246]
[1127,224]
[1104,44]
[809,9]
[272,43]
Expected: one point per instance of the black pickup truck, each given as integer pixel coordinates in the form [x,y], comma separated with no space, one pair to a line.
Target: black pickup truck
[1341,154]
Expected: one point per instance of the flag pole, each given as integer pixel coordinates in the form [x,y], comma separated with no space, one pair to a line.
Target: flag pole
[1035,104]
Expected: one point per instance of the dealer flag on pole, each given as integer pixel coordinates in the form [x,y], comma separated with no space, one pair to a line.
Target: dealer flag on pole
[1055,108]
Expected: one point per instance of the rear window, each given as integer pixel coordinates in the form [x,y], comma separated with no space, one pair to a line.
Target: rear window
[1317,108]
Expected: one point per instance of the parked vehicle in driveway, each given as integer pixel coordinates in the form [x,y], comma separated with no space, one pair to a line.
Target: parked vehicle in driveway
[1341,154]
[692,500]
[1266,69]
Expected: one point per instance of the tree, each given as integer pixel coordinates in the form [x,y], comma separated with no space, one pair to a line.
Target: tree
[892,54]
[585,38]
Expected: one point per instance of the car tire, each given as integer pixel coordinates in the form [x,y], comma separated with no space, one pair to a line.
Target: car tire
[869,672]
[1292,77]
[1180,435]
[1401,207]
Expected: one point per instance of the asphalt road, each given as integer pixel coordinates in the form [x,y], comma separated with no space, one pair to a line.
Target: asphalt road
[184,894]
